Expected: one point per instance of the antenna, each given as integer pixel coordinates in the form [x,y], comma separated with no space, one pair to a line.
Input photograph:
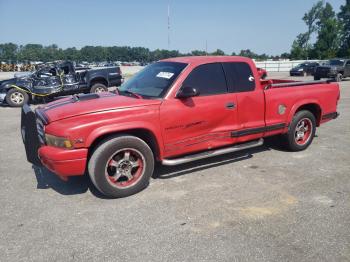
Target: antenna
[169,25]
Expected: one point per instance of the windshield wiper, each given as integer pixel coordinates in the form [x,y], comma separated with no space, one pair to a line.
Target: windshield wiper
[130,93]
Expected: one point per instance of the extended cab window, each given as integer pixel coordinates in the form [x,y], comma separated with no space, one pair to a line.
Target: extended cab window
[239,77]
[208,79]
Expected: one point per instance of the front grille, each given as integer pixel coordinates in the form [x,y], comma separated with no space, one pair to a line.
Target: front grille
[41,131]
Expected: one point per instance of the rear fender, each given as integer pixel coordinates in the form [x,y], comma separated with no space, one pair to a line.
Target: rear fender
[299,104]
[96,76]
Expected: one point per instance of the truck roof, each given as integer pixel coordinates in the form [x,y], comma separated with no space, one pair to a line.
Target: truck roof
[208,59]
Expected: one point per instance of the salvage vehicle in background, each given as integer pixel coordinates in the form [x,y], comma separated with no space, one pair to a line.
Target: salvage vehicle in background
[304,69]
[334,68]
[174,111]
[57,79]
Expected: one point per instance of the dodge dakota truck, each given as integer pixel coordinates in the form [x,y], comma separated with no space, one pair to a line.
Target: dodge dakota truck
[173,111]
[57,79]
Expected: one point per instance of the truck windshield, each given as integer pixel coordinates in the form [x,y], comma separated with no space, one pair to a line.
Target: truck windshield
[336,62]
[154,80]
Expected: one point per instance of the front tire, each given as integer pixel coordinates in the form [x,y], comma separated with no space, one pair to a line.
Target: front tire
[301,131]
[339,77]
[98,88]
[121,166]
[16,97]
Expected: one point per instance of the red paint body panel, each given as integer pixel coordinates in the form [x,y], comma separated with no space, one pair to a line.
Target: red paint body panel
[179,126]
[64,162]
[197,123]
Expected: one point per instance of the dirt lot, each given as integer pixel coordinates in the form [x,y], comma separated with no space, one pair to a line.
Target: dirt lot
[258,205]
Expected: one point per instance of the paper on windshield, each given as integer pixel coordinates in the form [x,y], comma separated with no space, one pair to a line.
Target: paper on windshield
[166,75]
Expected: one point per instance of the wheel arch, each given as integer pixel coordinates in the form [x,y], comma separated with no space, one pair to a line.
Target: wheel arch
[98,80]
[25,89]
[9,87]
[313,107]
[143,133]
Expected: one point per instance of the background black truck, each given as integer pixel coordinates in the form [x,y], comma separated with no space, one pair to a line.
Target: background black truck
[334,68]
[57,79]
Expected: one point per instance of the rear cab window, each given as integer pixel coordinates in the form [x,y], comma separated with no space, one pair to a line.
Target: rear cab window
[240,77]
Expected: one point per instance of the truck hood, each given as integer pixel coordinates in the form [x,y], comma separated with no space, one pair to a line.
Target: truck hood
[90,103]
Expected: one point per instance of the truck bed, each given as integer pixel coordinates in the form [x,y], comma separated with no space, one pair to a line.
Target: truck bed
[278,83]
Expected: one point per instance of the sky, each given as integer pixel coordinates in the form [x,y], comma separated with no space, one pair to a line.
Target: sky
[265,26]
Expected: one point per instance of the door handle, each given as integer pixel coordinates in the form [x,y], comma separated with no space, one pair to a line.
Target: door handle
[230,105]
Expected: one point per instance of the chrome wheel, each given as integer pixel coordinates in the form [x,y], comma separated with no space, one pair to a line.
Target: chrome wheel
[303,131]
[125,167]
[17,98]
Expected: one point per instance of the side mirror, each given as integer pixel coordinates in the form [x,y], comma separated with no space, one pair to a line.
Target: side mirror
[186,92]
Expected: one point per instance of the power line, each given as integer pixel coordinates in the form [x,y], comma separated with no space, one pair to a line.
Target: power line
[169,25]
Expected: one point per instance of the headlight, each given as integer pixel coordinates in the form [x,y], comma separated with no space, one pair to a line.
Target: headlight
[58,141]
[300,69]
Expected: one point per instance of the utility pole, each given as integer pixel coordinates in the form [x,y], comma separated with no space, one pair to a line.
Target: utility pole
[169,25]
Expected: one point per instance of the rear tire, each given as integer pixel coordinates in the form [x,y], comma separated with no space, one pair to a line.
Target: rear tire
[301,131]
[98,88]
[121,166]
[16,97]
[316,78]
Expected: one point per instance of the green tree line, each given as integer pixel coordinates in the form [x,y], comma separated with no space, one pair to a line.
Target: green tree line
[10,52]
[36,52]
[330,31]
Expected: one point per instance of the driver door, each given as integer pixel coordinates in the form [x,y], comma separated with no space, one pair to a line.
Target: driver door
[201,122]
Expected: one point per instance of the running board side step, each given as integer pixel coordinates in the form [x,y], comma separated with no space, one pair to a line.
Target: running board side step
[211,153]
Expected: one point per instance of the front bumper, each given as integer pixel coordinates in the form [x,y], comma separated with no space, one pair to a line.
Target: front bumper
[63,162]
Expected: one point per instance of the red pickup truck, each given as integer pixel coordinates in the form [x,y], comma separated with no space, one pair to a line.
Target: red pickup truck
[173,111]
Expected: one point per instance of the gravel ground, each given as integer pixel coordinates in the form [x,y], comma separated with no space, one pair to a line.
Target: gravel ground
[263,204]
